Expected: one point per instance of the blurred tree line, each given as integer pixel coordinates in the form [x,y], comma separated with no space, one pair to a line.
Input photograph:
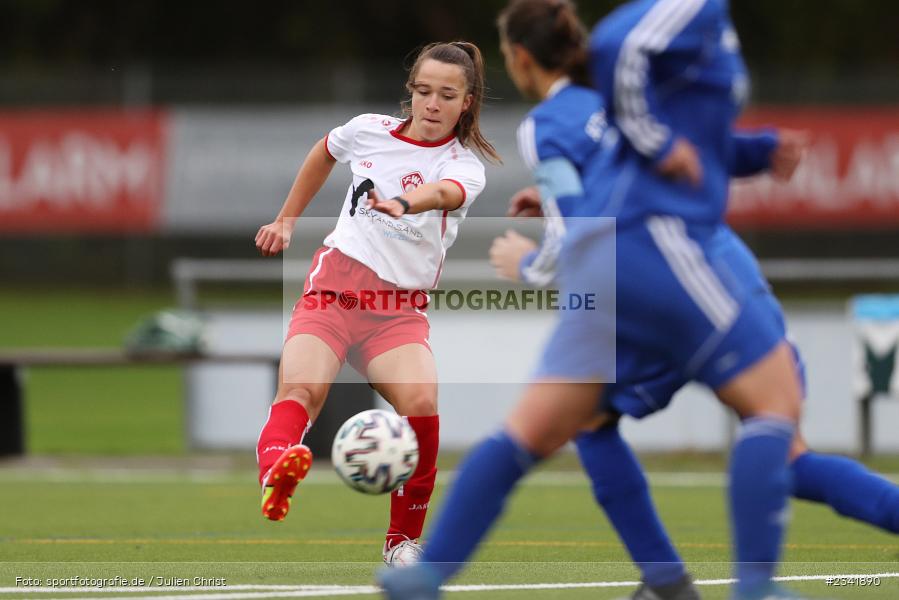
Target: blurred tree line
[841,49]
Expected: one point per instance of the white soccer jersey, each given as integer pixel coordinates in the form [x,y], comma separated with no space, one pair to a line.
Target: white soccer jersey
[408,251]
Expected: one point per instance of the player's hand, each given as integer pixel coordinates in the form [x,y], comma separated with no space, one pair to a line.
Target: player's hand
[788,154]
[390,207]
[682,163]
[525,203]
[507,251]
[275,237]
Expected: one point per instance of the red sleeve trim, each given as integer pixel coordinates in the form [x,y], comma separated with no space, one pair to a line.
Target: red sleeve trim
[326,147]
[461,187]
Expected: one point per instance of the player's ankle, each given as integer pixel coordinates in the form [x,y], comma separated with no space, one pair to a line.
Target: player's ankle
[392,539]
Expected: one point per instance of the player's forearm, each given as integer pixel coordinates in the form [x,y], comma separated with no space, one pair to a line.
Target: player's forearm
[440,195]
[751,151]
[309,180]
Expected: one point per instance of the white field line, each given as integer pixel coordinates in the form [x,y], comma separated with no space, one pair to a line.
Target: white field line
[125,476]
[305,591]
[324,476]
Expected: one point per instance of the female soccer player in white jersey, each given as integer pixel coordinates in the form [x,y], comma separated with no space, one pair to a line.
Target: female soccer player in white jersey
[422,169]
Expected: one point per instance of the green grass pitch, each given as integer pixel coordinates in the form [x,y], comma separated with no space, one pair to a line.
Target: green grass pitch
[85,520]
[164,523]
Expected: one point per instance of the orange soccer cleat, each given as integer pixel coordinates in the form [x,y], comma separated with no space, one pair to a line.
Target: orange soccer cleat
[282,479]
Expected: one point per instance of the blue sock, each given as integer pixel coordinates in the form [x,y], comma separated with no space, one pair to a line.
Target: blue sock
[759,486]
[620,488]
[847,487]
[475,501]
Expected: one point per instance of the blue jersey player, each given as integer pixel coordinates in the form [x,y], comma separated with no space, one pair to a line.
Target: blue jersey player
[618,483]
[672,74]
[565,140]
[668,195]
[539,59]
[675,82]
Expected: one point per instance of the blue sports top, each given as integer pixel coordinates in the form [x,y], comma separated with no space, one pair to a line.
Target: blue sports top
[570,148]
[669,69]
[563,141]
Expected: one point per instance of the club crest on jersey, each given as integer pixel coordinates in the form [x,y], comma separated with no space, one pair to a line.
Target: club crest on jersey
[411,181]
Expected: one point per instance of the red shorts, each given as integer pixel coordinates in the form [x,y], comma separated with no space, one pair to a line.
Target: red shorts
[355,312]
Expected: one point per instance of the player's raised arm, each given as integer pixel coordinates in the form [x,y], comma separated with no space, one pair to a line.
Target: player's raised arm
[275,237]
[751,151]
[669,26]
[525,203]
[509,252]
[791,147]
[776,150]
[440,195]
[558,181]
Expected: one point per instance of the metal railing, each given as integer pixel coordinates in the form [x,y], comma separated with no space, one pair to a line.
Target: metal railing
[188,273]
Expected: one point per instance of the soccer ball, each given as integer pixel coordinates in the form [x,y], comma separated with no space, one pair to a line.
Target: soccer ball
[375,452]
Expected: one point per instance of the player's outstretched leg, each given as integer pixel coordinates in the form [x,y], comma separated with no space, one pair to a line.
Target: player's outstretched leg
[619,486]
[282,479]
[477,497]
[409,504]
[308,365]
[758,492]
[283,461]
[549,415]
[406,376]
[285,426]
[848,487]
[767,395]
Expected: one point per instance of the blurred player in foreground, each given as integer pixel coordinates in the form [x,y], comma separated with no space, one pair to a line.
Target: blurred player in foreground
[618,483]
[423,173]
[666,187]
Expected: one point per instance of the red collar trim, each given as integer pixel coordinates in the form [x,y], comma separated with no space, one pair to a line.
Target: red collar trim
[396,133]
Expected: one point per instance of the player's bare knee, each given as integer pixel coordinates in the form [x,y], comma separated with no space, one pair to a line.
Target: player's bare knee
[301,394]
[538,436]
[794,406]
[785,404]
[417,404]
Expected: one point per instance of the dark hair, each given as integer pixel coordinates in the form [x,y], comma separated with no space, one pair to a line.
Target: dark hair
[551,31]
[467,56]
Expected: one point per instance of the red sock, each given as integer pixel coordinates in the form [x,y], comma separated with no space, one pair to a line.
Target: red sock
[409,504]
[286,425]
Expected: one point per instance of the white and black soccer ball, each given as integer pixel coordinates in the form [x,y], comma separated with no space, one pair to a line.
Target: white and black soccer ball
[375,451]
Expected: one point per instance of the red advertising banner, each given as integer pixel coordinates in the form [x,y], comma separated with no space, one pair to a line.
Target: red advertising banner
[848,180]
[88,171]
